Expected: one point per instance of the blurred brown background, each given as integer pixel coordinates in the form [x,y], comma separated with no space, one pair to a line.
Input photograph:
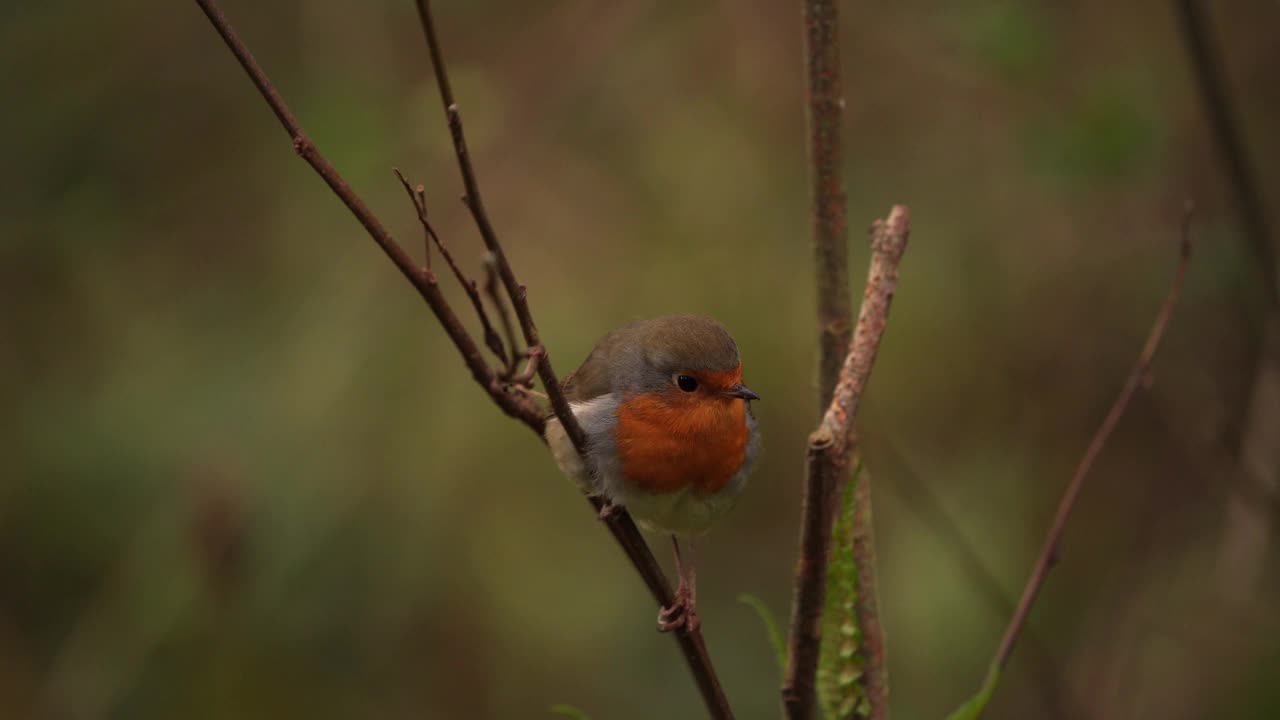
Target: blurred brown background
[246,475]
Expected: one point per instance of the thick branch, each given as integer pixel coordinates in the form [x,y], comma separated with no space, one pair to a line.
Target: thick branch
[423,280]
[830,448]
[825,110]
[1139,377]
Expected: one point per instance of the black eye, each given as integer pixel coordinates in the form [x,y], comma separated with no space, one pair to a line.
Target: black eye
[686,383]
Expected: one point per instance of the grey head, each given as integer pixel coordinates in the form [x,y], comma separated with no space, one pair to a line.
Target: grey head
[644,355]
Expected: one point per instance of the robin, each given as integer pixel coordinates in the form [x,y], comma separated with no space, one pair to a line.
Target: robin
[670,434]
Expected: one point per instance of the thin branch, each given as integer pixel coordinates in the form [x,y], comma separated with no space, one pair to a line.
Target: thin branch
[424,281]
[619,522]
[419,198]
[1139,378]
[830,449]
[825,109]
[1211,79]
[500,306]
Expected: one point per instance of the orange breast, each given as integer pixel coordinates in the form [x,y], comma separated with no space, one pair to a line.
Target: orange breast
[668,441]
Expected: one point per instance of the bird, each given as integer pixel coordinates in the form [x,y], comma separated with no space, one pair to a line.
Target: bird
[670,435]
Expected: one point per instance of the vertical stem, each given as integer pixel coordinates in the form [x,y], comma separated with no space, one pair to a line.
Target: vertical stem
[825,111]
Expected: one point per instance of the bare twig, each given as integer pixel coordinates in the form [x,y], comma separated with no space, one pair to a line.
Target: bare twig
[500,306]
[825,109]
[418,196]
[424,281]
[830,448]
[619,523]
[1139,378]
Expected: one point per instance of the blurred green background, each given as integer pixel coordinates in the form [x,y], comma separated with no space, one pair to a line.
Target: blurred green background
[246,475]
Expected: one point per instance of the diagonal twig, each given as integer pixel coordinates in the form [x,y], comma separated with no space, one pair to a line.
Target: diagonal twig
[830,449]
[418,196]
[1139,378]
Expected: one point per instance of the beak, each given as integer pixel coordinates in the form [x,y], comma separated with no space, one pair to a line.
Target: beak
[742,391]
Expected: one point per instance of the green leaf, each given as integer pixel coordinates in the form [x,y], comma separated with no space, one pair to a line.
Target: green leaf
[841,685]
[569,711]
[771,626]
[972,709]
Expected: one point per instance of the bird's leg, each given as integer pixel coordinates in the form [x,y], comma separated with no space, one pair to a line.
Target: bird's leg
[693,583]
[683,611]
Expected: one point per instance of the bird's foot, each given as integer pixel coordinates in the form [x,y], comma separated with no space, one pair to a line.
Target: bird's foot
[609,510]
[682,613]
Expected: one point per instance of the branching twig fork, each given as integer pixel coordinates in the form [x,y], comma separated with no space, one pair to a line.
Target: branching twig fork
[830,450]
[424,281]
[417,195]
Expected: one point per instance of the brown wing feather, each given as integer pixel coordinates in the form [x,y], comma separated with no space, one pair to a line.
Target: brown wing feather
[591,379]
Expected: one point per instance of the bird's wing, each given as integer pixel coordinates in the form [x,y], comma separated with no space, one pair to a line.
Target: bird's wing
[593,378]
